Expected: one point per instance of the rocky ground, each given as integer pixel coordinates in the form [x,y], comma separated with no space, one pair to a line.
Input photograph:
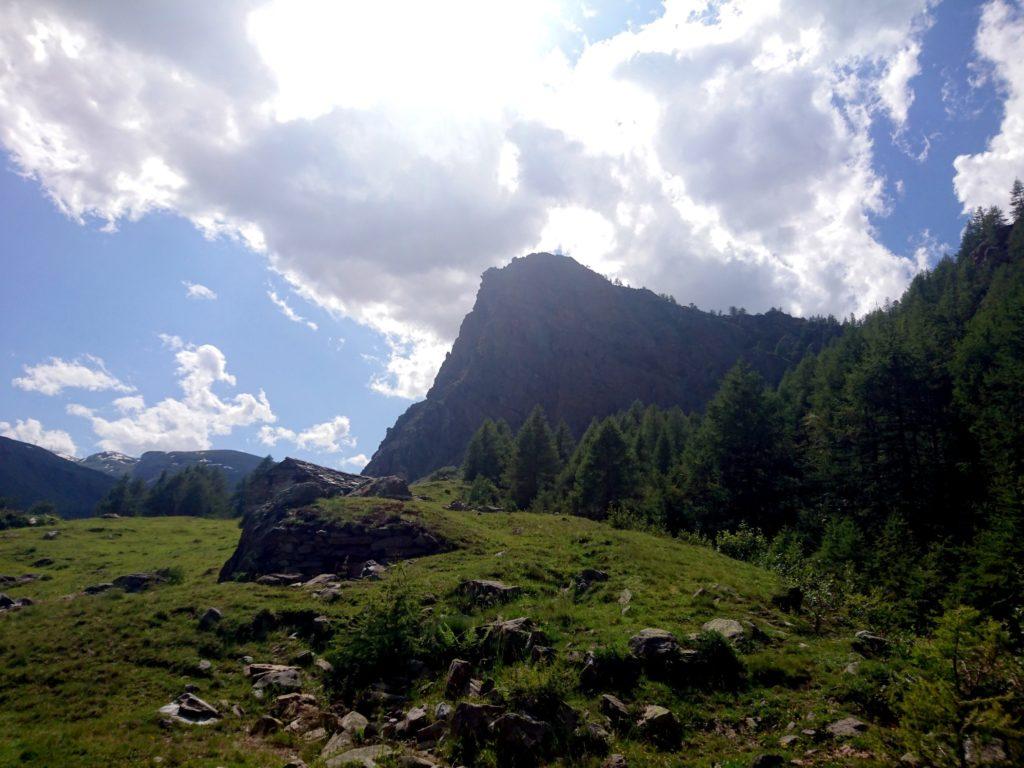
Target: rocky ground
[565,642]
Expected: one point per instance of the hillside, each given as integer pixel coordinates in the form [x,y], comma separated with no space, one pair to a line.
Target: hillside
[145,648]
[29,474]
[547,331]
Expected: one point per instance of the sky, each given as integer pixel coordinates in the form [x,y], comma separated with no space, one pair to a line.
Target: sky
[257,224]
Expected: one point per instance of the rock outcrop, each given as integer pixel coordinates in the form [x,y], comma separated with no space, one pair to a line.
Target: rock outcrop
[285,535]
[545,330]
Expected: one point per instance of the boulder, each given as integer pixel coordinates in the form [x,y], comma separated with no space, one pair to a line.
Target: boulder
[274,677]
[485,592]
[372,570]
[265,726]
[138,582]
[414,721]
[661,655]
[870,645]
[511,639]
[50,535]
[279,579]
[616,711]
[587,578]
[5,601]
[847,727]
[459,674]
[660,727]
[615,761]
[388,487]
[354,722]
[471,720]
[366,757]
[519,735]
[211,617]
[442,711]
[591,739]
[730,629]
[189,708]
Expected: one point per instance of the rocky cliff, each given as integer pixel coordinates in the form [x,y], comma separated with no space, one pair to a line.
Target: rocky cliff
[546,330]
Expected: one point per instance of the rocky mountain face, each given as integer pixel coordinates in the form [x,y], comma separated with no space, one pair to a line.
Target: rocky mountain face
[29,474]
[234,464]
[546,330]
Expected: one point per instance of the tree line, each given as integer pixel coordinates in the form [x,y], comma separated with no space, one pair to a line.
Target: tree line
[891,462]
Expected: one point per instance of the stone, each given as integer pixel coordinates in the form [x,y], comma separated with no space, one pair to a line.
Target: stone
[138,582]
[870,645]
[354,722]
[303,658]
[442,711]
[660,727]
[204,667]
[339,742]
[50,535]
[847,727]
[366,757]
[42,562]
[274,676]
[592,739]
[387,487]
[323,665]
[484,592]
[767,760]
[459,674]
[511,639]
[730,629]
[615,761]
[415,719]
[279,579]
[265,726]
[5,601]
[372,570]
[211,617]
[289,706]
[295,763]
[95,589]
[661,654]
[189,708]
[470,720]
[519,735]
[616,711]
[788,740]
[587,578]
[984,753]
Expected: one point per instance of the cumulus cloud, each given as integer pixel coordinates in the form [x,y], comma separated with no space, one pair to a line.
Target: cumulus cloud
[288,312]
[179,423]
[198,291]
[31,431]
[328,437]
[985,178]
[56,375]
[721,155]
[355,463]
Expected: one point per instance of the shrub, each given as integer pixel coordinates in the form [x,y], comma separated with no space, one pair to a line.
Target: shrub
[745,543]
[718,667]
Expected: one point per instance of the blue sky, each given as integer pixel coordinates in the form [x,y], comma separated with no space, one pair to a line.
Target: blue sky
[258,225]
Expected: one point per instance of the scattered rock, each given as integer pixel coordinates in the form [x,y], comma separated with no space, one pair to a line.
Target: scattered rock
[510,639]
[615,761]
[138,582]
[279,579]
[265,726]
[519,735]
[42,562]
[211,617]
[459,674]
[442,711]
[788,740]
[366,757]
[50,535]
[274,676]
[204,667]
[766,760]
[95,589]
[484,592]
[388,487]
[660,727]
[323,665]
[470,720]
[990,752]
[592,739]
[616,711]
[372,570]
[587,578]
[303,658]
[414,721]
[5,601]
[870,645]
[730,629]
[847,727]
[457,506]
[354,723]
[661,654]
[189,708]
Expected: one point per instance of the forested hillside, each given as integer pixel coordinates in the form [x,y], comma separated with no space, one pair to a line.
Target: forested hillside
[892,460]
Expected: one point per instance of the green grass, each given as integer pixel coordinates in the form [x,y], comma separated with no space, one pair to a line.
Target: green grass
[83,676]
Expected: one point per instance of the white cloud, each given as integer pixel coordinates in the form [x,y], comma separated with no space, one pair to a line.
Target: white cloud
[985,178]
[31,431]
[53,377]
[185,423]
[288,312]
[198,291]
[723,157]
[355,463]
[328,437]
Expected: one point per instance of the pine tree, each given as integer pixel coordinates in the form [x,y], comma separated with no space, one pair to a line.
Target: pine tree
[487,453]
[534,462]
[1017,201]
[607,471]
[564,442]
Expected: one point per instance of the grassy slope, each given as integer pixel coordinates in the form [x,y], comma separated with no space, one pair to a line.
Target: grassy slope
[82,678]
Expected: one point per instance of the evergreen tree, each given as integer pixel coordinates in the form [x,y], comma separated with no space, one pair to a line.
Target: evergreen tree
[534,462]
[487,453]
[607,471]
[1017,201]
[564,443]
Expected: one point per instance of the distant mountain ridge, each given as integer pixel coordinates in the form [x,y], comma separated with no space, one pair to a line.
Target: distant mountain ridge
[29,474]
[546,330]
[234,464]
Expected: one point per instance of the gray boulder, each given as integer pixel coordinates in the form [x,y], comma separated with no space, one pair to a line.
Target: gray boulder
[660,727]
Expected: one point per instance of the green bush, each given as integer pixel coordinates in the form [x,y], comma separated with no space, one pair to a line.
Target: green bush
[745,543]
[718,667]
